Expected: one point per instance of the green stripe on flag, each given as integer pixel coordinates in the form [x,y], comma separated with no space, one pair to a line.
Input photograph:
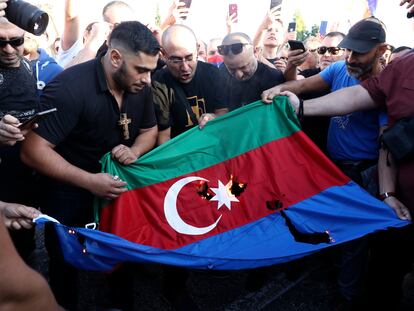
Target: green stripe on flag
[223,138]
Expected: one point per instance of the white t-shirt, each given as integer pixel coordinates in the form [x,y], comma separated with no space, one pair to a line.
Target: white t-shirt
[64,57]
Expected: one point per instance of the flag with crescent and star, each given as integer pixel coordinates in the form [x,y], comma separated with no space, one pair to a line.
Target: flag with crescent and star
[248,190]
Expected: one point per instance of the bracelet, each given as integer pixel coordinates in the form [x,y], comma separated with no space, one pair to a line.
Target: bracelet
[385,195]
[300,111]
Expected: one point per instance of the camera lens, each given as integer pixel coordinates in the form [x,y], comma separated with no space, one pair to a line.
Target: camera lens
[27,16]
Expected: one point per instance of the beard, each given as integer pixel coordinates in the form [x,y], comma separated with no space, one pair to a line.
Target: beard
[358,70]
[120,78]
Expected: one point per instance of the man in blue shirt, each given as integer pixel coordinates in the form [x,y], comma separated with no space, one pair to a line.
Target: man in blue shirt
[352,139]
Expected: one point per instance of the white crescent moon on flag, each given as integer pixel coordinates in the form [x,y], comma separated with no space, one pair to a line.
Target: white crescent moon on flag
[171,212]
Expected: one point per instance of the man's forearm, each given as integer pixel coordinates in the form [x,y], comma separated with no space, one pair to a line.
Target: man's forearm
[48,162]
[145,141]
[71,30]
[340,102]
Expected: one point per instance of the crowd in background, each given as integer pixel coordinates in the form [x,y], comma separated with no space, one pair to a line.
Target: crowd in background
[123,87]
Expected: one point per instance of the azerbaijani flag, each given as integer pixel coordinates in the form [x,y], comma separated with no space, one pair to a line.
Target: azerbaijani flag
[248,190]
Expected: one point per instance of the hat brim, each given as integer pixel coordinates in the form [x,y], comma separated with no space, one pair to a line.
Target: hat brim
[359,46]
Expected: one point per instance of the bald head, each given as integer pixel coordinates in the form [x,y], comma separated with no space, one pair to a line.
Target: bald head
[116,12]
[179,37]
[236,37]
[238,56]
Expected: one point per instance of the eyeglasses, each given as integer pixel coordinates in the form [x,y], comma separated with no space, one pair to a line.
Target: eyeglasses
[13,42]
[332,50]
[178,60]
[235,48]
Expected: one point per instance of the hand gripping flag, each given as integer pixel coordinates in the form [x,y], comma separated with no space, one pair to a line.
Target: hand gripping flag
[248,190]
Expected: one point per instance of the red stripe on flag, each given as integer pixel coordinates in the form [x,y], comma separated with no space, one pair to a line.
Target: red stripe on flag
[289,170]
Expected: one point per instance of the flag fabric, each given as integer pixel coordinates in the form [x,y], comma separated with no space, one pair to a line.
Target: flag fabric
[248,190]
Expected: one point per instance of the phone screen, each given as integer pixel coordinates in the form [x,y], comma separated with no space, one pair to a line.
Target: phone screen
[296,45]
[187,3]
[274,3]
[233,10]
[35,118]
[322,28]
[292,27]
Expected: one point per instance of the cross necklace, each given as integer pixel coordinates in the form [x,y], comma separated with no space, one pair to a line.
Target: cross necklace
[123,121]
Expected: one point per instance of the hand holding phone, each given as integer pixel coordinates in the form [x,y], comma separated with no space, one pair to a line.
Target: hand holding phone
[296,45]
[275,3]
[35,118]
[292,27]
[187,4]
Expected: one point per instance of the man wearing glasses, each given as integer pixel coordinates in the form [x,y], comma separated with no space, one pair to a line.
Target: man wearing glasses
[186,89]
[245,78]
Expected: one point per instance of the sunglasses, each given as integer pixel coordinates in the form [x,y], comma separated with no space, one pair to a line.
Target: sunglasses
[332,50]
[235,48]
[13,42]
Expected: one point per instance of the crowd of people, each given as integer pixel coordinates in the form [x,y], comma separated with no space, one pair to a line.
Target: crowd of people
[123,87]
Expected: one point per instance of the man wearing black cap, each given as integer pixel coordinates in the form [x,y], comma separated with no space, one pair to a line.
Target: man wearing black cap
[353,138]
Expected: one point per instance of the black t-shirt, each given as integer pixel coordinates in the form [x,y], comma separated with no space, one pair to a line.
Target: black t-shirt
[204,93]
[240,93]
[18,92]
[85,127]
[17,98]
[315,127]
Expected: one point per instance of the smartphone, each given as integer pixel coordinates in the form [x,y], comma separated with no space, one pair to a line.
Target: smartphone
[292,27]
[187,3]
[233,10]
[322,28]
[35,118]
[296,45]
[274,3]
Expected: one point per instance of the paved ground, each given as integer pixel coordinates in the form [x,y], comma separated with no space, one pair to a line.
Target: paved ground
[308,284]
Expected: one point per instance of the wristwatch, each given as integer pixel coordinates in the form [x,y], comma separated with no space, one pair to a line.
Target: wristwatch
[385,195]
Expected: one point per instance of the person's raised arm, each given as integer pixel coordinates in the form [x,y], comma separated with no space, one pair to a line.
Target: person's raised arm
[343,101]
[71,27]
[270,17]
[177,11]
[99,33]
[313,83]
[410,5]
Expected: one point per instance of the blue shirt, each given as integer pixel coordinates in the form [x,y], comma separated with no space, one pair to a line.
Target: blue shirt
[353,136]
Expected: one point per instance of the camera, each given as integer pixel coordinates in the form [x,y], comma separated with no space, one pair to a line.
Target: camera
[27,16]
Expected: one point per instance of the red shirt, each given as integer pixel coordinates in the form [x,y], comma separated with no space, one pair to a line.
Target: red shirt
[394,88]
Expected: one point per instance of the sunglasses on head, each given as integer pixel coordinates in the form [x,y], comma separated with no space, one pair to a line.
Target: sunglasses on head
[332,50]
[13,42]
[235,48]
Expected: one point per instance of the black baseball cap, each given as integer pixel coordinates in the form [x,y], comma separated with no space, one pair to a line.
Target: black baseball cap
[364,36]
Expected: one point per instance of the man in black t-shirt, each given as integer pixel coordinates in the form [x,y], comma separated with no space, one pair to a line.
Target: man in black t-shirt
[186,89]
[18,99]
[104,105]
[244,77]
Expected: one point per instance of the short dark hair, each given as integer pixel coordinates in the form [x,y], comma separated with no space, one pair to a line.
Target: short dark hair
[134,37]
[400,48]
